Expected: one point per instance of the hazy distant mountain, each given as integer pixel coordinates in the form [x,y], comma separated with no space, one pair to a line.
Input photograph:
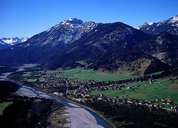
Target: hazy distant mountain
[13,40]
[170,26]
[3,44]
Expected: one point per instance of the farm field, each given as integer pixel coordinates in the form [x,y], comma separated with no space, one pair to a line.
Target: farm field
[161,88]
[84,74]
[77,73]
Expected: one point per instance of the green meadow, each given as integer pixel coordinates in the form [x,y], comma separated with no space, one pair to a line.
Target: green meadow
[161,88]
[90,74]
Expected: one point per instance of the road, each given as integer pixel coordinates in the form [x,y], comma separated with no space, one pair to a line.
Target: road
[79,115]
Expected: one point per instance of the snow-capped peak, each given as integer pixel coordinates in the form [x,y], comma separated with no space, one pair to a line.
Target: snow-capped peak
[68,23]
[150,23]
[68,31]
[70,19]
[3,44]
[170,25]
[23,39]
[145,25]
[74,21]
[13,40]
[174,19]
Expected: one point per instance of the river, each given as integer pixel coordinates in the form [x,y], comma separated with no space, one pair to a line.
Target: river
[80,116]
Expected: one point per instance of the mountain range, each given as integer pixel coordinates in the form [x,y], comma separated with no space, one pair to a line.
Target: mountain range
[7,42]
[107,46]
[3,45]
[170,25]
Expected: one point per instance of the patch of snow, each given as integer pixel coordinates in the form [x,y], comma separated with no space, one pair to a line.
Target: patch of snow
[137,27]
[14,40]
[158,24]
[9,41]
[150,23]
[67,23]
[174,19]
[70,19]
[24,39]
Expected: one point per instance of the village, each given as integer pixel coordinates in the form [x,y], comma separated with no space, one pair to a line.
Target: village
[80,91]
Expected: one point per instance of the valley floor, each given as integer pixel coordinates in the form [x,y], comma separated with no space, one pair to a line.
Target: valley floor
[150,95]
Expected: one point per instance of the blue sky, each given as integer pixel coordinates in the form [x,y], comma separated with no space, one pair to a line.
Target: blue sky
[29,17]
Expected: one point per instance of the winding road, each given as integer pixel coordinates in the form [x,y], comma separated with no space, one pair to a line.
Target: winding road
[79,115]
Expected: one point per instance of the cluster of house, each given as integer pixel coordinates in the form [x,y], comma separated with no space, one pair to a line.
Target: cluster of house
[78,89]
[156,104]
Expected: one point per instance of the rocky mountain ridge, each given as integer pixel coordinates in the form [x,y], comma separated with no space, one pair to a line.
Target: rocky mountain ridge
[109,46]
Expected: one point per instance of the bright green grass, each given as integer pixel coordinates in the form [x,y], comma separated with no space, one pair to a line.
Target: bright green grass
[3,106]
[162,88]
[90,74]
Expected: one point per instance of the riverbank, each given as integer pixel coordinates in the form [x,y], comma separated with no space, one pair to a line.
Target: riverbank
[78,116]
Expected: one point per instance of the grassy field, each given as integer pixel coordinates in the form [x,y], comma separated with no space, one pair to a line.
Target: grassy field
[3,106]
[162,88]
[78,73]
[90,74]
